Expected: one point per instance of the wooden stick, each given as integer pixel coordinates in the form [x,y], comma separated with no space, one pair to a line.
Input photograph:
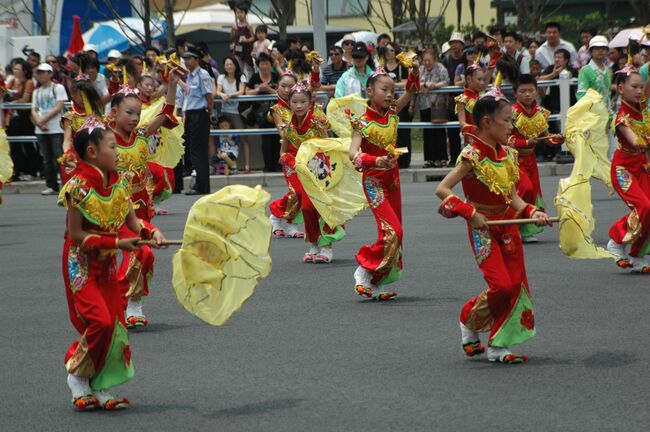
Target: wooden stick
[165,243]
[518,221]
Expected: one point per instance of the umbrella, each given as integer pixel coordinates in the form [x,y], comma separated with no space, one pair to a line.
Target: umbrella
[225,252]
[623,37]
[76,41]
[369,38]
[121,34]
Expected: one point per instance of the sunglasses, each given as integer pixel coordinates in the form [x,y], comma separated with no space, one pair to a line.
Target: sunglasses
[348,43]
[359,56]
[332,54]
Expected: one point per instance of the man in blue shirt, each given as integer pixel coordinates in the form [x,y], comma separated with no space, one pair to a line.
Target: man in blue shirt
[196,101]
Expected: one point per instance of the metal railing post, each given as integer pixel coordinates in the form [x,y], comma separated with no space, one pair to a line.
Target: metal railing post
[565,99]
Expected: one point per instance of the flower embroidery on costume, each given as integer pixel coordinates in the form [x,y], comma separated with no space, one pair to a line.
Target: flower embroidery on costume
[375,191]
[288,170]
[126,353]
[527,319]
[482,244]
[77,269]
[320,167]
[624,178]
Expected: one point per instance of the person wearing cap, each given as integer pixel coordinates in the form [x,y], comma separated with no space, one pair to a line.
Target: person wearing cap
[114,56]
[451,61]
[354,79]
[91,50]
[47,106]
[196,102]
[348,44]
[595,74]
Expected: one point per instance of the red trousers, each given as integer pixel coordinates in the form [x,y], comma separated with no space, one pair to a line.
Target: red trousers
[528,186]
[500,256]
[136,269]
[632,182]
[302,201]
[384,257]
[96,312]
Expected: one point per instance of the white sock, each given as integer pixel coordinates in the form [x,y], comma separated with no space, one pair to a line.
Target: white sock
[495,354]
[134,308]
[468,335]
[103,396]
[78,386]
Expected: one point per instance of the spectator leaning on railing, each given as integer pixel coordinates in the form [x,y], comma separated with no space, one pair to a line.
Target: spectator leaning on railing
[47,106]
[354,79]
[333,70]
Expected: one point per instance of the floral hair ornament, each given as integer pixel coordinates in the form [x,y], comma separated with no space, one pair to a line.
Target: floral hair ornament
[378,72]
[126,90]
[629,68]
[91,124]
[289,72]
[82,77]
[495,92]
[299,87]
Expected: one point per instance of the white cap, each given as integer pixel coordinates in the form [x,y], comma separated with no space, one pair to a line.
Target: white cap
[349,37]
[445,48]
[598,41]
[44,67]
[114,54]
[90,47]
[457,37]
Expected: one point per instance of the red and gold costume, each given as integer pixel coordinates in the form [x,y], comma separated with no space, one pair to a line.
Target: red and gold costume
[96,307]
[77,116]
[314,125]
[382,259]
[630,174]
[504,309]
[287,207]
[527,125]
[136,269]
[467,100]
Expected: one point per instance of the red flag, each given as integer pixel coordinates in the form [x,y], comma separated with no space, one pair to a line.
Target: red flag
[76,41]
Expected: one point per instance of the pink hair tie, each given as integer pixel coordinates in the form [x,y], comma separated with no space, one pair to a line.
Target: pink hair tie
[378,72]
[82,77]
[300,87]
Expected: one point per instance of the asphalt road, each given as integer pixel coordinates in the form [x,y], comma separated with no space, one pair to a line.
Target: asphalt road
[306,354]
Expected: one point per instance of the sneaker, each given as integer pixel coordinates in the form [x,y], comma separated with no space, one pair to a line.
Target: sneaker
[324,256]
[232,170]
[620,256]
[503,355]
[247,170]
[529,239]
[639,265]
[311,255]
[292,231]
[49,191]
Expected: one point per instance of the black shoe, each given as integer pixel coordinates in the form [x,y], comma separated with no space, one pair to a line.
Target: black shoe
[193,192]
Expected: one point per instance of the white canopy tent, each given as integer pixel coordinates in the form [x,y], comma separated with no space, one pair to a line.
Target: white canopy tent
[212,17]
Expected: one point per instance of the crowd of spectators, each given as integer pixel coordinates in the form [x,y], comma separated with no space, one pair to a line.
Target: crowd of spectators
[254,67]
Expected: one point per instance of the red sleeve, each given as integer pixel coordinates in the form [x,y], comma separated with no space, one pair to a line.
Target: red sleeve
[113,87]
[168,111]
[517,140]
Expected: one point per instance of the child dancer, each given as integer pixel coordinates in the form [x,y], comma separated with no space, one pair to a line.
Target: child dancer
[489,172]
[630,174]
[134,153]
[373,152]
[86,102]
[286,210]
[306,123]
[98,205]
[475,85]
[530,128]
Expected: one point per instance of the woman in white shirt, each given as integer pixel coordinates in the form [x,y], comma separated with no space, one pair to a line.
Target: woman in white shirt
[233,83]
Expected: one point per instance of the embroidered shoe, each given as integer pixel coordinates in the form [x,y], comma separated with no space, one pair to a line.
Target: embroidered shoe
[503,355]
[620,256]
[385,296]
[324,256]
[529,239]
[474,348]
[109,402]
[639,265]
[363,283]
[310,257]
[292,231]
[85,403]
[279,228]
[364,291]
[131,322]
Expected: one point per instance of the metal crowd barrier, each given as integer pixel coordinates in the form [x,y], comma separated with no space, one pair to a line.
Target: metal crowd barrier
[564,84]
